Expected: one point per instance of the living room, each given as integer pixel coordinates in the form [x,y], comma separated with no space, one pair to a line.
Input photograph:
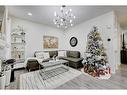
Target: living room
[34,26]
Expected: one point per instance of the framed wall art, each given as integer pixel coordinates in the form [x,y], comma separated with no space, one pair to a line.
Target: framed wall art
[50,42]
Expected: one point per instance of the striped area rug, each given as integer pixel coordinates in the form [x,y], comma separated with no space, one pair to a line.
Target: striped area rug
[35,80]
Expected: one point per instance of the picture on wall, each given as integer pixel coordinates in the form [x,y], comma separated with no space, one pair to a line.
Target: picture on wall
[50,42]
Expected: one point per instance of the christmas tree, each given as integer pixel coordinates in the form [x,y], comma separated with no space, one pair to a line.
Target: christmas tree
[96,58]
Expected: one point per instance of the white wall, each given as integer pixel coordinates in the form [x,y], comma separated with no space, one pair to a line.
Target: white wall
[2,54]
[35,33]
[3,29]
[117,43]
[8,40]
[105,23]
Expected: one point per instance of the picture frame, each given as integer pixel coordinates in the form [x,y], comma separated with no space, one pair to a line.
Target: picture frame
[50,42]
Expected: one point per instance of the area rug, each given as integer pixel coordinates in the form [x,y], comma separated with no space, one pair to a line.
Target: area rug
[34,80]
[107,76]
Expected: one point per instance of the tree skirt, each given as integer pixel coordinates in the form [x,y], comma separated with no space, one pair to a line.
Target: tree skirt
[106,76]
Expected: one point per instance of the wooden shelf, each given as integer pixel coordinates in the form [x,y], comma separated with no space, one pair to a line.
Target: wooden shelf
[16,35]
[19,43]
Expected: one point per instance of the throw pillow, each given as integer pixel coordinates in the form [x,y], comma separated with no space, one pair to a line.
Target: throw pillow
[40,55]
[62,53]
[46,55]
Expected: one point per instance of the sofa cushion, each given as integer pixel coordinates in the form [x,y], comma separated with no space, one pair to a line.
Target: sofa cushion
[62,53]
[72,59]
[60,57]
[52,53]
[32,64]
[73,54]
[46,60]
[32,60]
[40,55]
[46,55]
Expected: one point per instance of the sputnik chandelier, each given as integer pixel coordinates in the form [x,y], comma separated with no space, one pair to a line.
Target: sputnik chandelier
[64,19]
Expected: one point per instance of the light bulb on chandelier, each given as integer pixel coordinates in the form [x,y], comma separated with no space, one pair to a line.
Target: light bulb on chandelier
[74,17]
[61,19]
[54,13]
[70,21]
[71,24]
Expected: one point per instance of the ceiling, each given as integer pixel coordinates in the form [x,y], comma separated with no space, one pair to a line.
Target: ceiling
[45,14]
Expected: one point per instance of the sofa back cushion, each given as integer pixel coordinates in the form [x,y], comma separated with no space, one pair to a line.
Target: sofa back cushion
[73,54]
[46,55]
[62,53]
[52,53]
[40,55]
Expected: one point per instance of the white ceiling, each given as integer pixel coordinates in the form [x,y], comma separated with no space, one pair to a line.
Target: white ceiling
[45,14]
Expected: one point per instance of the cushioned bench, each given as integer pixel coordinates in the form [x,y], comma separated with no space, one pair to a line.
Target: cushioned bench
[32,64]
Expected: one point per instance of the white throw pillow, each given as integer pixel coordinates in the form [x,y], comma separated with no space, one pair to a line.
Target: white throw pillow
[40,55]
[46,55]
[62,53]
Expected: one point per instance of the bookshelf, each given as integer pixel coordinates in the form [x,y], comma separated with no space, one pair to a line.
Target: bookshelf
[18,44]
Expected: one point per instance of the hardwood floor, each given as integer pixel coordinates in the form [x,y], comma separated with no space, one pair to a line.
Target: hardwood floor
[15,84]
[117,81]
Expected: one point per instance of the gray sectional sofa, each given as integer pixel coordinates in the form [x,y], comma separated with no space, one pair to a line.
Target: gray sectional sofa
[73,57]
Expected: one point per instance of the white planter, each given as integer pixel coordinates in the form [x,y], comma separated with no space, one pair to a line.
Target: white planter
[8,76]
[2,82]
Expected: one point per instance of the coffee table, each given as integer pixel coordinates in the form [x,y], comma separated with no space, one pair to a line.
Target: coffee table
[55,71]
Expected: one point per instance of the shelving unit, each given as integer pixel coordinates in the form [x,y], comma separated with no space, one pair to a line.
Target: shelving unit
[18,44]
